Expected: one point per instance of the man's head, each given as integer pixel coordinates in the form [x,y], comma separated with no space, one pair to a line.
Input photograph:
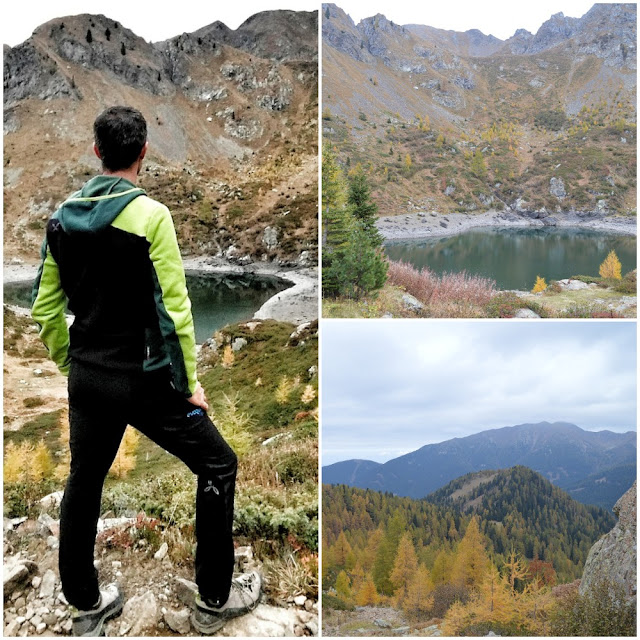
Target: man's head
[120,138]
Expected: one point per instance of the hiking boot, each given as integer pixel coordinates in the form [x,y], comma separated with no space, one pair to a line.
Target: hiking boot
[210,617]
[91,622]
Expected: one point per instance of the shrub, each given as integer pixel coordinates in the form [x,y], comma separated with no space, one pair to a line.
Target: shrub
[628,284]
[333,602]
[449,287]
[603,611]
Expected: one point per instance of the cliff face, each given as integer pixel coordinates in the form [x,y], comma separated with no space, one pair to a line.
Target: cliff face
[614,556]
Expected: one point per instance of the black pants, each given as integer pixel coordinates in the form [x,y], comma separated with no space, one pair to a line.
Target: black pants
[102,403]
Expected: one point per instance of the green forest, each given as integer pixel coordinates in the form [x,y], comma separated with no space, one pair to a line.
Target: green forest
[475,556]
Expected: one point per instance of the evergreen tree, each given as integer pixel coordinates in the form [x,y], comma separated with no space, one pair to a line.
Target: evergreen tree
[385,557]
[367,594]
[363,208]
[343,586]
[477,165]
[419,600]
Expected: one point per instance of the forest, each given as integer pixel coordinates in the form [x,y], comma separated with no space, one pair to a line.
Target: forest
[503,557]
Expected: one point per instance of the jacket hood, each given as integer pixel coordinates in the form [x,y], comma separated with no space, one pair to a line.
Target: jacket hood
[97,204]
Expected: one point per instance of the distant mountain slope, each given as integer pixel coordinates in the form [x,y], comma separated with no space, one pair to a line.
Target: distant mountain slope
[562,452]
[232,118]
[605,487]
[520,502]
[558,104]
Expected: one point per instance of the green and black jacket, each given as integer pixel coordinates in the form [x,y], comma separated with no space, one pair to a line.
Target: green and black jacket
[112,253]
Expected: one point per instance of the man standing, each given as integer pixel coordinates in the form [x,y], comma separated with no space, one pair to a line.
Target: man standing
[112,253]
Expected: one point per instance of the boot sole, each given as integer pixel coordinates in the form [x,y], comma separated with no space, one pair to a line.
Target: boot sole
[110,612]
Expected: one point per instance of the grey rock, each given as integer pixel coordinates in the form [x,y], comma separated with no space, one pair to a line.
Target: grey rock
[141,612]
[67,625]
[40,627]
[525,313]
[161,552]
[178,621]
[383,624]
[614,556]
[238,344]
[575,285]
[270,237]
[264,621]
[52,542]
[186,591]
[401,630]
[412,303]
[450,190]
[48,585]
[16,571]
[12,628]
[556,188]
[20,602]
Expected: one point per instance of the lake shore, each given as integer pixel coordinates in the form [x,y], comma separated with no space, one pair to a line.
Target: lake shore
[430,224]
[297,304]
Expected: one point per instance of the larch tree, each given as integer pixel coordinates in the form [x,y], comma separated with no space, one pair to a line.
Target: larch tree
[367,595]
[404,568]
[471,561]
[419,598]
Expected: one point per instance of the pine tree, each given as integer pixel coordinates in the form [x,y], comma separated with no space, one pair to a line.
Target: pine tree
[385,557]
[341,549]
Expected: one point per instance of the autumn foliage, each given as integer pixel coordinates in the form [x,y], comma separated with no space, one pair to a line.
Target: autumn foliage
[611,267]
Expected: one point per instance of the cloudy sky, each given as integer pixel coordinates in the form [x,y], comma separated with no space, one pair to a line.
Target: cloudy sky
[499,18]
[389,387]
[153,21]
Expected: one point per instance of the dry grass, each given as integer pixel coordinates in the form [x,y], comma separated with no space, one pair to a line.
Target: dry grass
[446,292]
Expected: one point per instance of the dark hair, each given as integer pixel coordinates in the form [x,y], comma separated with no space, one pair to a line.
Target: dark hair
[120,134]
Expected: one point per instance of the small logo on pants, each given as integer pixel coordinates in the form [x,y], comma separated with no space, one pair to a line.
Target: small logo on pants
[195,412]
[210,487]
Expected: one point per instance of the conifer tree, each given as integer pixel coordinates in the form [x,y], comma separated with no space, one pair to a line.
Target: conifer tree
[419,600]
[385,557]
[477,165]
[363,209]
[471,560]
[341,549]
[404,568]
[343,586]
[611,267]
[367,594]
[40,463]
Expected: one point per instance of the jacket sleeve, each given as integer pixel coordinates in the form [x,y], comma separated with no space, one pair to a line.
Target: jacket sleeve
[47,309]
[172,301]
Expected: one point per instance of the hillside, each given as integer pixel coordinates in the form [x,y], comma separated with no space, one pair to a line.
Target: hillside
[538,125]
[497,540]
[563,453]
[232,121]
[261,382]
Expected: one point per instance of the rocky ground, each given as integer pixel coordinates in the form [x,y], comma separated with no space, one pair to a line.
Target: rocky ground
[430,224]
[375,621]
[158,600]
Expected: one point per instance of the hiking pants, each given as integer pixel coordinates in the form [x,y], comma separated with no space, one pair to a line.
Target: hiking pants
[102,403]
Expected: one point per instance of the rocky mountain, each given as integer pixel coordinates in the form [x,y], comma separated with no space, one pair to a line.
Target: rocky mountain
[563,453]
[232,128]
[614,557]
[535,106]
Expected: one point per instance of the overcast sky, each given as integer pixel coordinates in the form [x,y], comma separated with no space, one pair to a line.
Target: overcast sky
[153,21]
[500,19]
[389,387]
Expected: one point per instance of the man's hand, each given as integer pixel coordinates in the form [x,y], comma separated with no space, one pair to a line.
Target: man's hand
[198,398]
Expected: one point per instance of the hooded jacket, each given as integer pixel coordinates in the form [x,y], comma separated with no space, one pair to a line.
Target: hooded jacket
[111,254]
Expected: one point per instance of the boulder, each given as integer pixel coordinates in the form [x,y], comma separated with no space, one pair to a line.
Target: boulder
[178,621]
[48,584]
[141,613]
[614,556]
[15,572]
[238,344]
[265,621]
[556,188]
[525,313]
[575,285]
[383,624]
[161,552]
[412,303]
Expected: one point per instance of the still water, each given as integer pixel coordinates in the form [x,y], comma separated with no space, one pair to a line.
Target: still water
[217,299]
[514,257]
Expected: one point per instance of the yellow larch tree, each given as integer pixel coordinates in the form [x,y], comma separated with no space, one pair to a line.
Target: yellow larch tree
[367,594]
[418,601]
[404,568]
[611,267]
[540,285]
[470,562]
[125,460]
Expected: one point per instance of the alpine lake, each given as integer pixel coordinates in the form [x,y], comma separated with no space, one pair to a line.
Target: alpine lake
[513,257]
[217,299]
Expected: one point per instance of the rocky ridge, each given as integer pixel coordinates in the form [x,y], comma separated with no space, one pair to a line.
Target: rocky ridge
[614,557]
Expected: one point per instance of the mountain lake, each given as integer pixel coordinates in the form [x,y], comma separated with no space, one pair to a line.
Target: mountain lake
[217,299]
[513,257]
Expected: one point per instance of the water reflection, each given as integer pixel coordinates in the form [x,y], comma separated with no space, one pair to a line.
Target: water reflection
[217,299]
[514,257]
